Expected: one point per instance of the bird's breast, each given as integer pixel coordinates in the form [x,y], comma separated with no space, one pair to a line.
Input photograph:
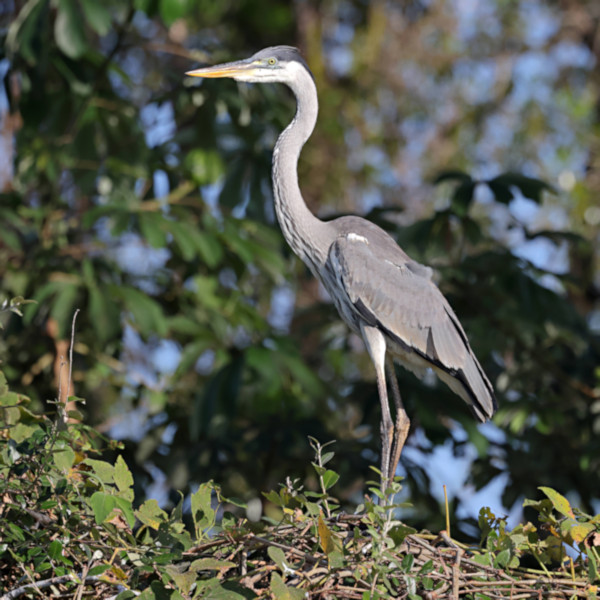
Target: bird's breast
[330,277]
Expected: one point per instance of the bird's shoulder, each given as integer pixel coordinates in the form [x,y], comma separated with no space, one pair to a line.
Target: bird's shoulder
[366,242]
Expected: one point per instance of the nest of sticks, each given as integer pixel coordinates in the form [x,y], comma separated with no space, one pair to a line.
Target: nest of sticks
[292,561]
[439,568]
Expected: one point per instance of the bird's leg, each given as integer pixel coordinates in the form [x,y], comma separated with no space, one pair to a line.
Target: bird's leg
[402,425]
[376,347]
[386,431]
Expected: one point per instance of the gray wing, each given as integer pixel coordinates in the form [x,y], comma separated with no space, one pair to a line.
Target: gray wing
[396,294]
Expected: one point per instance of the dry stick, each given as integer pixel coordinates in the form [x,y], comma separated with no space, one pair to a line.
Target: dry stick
[71,351]
[456,572]
[40,585]
[447,513]
[62,364]
[81,586]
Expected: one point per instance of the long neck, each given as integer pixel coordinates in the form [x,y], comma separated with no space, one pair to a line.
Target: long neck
[305,233]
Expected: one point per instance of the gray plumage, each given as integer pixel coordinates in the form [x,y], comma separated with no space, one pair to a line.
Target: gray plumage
[403,302]
[380,292]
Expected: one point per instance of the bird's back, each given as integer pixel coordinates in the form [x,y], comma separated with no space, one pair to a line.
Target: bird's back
[374,282]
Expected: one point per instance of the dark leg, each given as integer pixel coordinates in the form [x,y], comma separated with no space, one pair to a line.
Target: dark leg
[402,425]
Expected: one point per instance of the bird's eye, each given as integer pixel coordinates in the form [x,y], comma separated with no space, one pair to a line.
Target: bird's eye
[272,61]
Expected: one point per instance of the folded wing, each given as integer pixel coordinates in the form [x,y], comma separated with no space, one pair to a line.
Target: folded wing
[390,291]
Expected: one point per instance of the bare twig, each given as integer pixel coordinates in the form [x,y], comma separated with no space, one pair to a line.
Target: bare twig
[37,586]
[71,351]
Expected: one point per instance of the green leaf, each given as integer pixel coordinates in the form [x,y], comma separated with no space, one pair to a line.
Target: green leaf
[407,563]
[183,580]
[183,237]
[559,502]
[190,354]
[330,478]
[214,590]
[530,187]
[427,568]
[581,530]
[3,384]
[147,313]
[127,509]
[211,564]
[275,498]
[55,550]
[452,175]
[24,31]
[320,470]
[171,10]
[152,226]
[97,16]
[103,470]
[16,531]
[326,457]
[151,514]
[399,533]
[104,314]
[502,192]
[278,557]
[463,198]
[209,248]
[64,458]
[102,504]
[63,308]
[123,478]
[203,514]
[336,559]
[593,575]
[205,166]
[99,570]
[502,559]
[282,591]
[68,30]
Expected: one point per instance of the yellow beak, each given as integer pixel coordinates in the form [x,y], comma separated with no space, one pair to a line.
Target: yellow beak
[230,69]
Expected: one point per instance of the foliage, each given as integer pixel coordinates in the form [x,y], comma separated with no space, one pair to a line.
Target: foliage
[144,201]
[70,523]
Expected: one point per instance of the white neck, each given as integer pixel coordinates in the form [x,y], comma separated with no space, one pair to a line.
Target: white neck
[305,233]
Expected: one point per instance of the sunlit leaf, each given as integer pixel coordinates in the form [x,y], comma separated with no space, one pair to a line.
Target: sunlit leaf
[203,513]
[150,514]
[560,503]
[102,504]
[123,478]
[68,29]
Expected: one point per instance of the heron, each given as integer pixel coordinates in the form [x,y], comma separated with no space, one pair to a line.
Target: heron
[382,294]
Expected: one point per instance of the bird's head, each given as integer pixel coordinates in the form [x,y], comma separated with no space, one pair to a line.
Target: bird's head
[274,64]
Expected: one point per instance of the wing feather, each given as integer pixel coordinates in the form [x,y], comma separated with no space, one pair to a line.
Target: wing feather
[399,297]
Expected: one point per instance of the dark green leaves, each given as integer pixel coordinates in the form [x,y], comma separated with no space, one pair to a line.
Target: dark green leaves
[528,186]
[503,187]
[147,314]
[69,29]
[97,16]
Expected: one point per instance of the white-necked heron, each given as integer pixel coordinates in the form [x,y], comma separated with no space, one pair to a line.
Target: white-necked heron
[379,291]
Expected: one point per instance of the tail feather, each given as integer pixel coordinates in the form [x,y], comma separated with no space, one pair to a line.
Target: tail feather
[472,385]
